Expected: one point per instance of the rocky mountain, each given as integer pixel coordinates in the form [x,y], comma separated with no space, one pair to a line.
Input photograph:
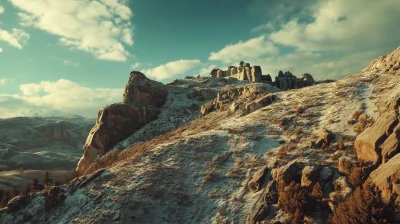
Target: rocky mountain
[31,145]
[229,149]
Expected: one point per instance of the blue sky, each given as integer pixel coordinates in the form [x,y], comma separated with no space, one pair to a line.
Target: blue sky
[61,57]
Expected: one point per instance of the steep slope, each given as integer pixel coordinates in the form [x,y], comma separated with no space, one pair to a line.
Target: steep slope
[224,166]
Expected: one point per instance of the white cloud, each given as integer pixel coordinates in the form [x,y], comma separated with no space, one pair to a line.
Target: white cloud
[135,65]
[1,9]
[1,49]
[71,63]
[252,49]
[171,69]
[16,38]
[345,26]
[89,26]
[62,97]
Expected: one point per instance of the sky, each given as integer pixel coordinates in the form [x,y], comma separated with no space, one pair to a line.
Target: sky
[62,57]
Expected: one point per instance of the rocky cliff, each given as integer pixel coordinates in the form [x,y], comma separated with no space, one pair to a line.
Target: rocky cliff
[141,102]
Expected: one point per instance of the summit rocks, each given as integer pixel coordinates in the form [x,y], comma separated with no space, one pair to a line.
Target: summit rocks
[141,102]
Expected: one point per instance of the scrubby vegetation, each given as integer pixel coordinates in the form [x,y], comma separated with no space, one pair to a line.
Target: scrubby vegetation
[365,205]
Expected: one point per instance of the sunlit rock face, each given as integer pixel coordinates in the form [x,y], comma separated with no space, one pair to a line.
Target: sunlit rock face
[141,102]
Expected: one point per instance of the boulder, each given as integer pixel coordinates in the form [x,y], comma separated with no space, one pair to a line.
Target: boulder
[287,173]
[307,79]
[141,102]
[326,135]
[256,183]
[367,143]
[387,178]
[342,190]
[260,103]
[346,165]
[213,73]
[309,176]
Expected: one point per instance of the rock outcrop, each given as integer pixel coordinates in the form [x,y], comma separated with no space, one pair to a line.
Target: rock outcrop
[387,178]
[245,72]
[379,142]
[233,99]
[389,63]
[57,131]
[141,102]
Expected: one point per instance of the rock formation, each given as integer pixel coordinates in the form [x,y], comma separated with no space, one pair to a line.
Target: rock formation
[380,142]
[141,102]
[245,72]
[389,63]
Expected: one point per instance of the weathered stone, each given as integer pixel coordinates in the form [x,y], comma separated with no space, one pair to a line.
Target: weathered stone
[234,71]
[391,146]
[271,193]
[256,74]
[387,178]
[326,135]
[258,179]
[287,173]
[213,73]
[368,142]
[141,102]
[346,165]
[307,79]
[389,63]
[342,190]
[219,73]
[260,103]
[309,176]
[260,213]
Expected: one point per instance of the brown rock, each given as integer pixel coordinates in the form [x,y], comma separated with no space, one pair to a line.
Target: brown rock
[271,193]
[368,142]
[213,73]
[309,176]
[389,63]
[260,103]
[326,135]
[391,146]
[307,79]
[286,173]
[346,165]
[219,73]
[141,102]
[258,179]
[387,178]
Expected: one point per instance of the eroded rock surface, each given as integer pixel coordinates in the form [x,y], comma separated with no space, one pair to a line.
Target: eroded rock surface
[141,102]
